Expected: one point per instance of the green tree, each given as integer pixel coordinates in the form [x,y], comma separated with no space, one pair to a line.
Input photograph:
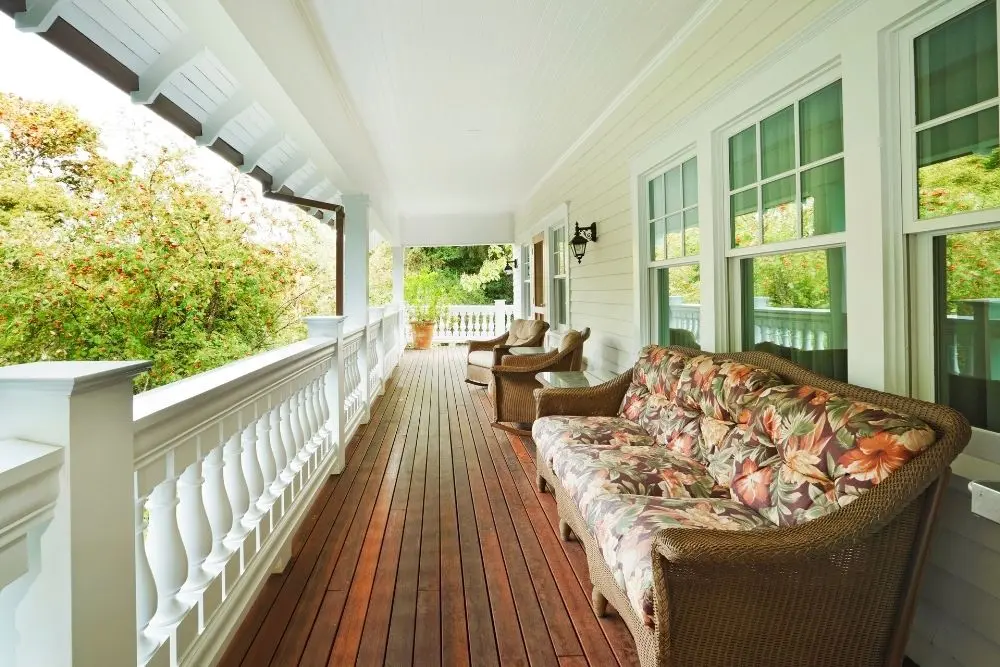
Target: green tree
[140,260]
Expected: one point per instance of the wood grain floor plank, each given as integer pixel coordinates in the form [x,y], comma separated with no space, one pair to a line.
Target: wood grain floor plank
[433,547]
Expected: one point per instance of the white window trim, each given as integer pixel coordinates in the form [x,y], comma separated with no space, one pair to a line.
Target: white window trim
[729,257]
[915,319]
[554,218]
[647,314]
[551,249]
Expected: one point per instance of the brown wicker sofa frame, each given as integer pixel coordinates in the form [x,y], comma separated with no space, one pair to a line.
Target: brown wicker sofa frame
[838,590]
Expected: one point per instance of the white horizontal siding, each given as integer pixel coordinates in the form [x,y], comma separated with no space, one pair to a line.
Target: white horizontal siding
[958,617]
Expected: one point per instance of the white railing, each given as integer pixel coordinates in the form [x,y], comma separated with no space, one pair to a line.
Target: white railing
[801,328]
[192,491]
[462,323]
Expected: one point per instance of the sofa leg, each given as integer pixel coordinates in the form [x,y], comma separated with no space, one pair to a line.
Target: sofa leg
[564,530]
[599,603]
[540,483]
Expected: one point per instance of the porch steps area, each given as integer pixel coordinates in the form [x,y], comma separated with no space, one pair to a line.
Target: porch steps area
[432,548]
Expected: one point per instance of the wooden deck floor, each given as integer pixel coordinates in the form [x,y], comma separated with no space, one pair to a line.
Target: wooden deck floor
[433,547]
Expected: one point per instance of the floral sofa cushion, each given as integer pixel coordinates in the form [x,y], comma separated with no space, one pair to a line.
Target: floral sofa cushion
[722,390]
[624,527]
[808,452]
[655,374]
[587,472]
[552,434]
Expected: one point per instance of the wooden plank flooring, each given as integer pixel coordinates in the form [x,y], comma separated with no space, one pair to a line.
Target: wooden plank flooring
[432,548]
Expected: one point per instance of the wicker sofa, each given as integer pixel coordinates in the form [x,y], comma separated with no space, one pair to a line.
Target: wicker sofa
[741,510]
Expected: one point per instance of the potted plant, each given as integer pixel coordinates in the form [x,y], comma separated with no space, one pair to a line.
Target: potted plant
[426,300]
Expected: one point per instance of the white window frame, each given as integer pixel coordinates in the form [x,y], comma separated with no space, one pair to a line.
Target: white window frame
[732,257]
[919,235]
[649,315]
[551,251]
[524,269]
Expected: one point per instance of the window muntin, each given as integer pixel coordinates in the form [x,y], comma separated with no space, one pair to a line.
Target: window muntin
[794,305]
[672,212]
[957,115]
[775,167]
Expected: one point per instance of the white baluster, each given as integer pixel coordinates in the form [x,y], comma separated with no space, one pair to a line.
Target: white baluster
[307,445]
[288,438]
[280,453]
[312,416]
[196,532]
[251,472]
[165,551]
[145,587]
[324,405]
[217,506]
[236,488]
[319,407]
[293,420]
[265,459]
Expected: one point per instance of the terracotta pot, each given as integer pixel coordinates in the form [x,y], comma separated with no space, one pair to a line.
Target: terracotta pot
[423,333]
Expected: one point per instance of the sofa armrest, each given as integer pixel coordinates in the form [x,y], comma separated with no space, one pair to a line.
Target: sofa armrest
[478,345]
[603,400]
[499,352]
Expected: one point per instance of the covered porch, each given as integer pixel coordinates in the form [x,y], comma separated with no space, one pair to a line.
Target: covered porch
[432,547]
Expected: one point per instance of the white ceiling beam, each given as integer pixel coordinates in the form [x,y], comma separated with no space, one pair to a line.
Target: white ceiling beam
[156,76]
[287,171]
[39,15]
[227,112]
[310,184]
[264,143]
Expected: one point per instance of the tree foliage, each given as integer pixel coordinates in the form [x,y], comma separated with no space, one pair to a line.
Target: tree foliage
[141,260]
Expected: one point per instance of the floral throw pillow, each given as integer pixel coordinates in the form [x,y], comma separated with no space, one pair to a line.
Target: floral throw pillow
[809,452]
[722,390]
[655,373]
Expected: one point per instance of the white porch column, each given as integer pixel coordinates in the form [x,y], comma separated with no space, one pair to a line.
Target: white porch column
[398,267]
[79,603]
[330,326]
[356,260]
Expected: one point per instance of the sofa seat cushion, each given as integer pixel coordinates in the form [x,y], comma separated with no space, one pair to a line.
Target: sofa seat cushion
[624,527]
[552,434]
[481,358]
[585,473]
[808,452]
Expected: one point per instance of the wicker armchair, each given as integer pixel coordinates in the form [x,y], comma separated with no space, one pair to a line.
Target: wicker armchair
[514,383]
[485,354]
[837,590]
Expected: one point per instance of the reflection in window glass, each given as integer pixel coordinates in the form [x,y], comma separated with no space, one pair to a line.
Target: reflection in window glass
[672,183]
[780,214]
[794,306]
[777,143]
[967,313]
[692,243]
[743,158]
[956,63]
[691,182]
[656,198]
[657,240]
[821,124]
[743,218]
[677,291]
[958,165]
[675,236]
[823,199]
[559,301]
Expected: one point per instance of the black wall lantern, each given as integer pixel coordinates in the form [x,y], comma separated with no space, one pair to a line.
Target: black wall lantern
[509,270]
[579,241]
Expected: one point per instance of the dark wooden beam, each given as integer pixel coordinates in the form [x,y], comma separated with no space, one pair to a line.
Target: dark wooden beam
[303,202]
[340,260]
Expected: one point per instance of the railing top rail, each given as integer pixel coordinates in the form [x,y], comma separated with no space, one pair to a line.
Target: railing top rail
[353,334]
[182,406]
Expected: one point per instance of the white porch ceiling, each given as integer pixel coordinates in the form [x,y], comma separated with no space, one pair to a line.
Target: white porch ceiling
[470,102]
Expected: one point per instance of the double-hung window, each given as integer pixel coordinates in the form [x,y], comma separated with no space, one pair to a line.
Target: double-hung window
[672,254]
[559,298]
[951,206]
[785,205]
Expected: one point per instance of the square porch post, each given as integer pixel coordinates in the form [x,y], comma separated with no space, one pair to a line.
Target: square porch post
[356,229]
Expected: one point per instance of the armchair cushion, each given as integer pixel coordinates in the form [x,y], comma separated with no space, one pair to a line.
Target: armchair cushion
[624,527]
[587,472]
[552,434]
[481,358]
[526,332]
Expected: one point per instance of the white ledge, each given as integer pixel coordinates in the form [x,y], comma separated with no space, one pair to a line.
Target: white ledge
[69,377]
[29,486]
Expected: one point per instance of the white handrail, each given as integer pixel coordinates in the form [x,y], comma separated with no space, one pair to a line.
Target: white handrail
[464,322]
[223,467]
